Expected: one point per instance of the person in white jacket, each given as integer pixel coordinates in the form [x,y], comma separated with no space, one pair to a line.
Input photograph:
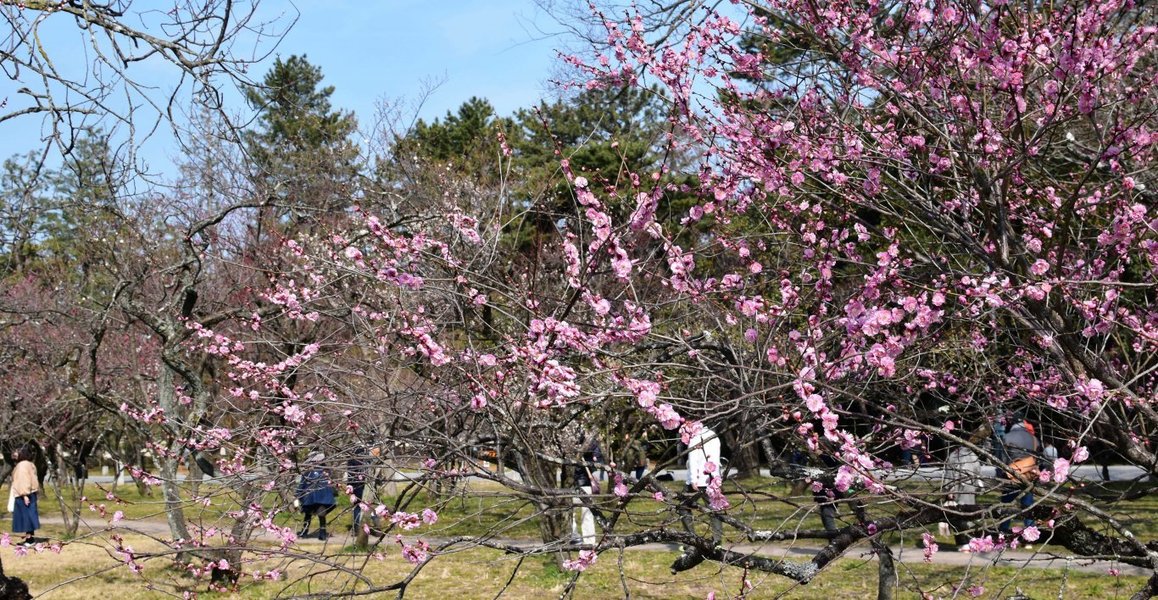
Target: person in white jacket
[703,449]
[961,481]
[962,477]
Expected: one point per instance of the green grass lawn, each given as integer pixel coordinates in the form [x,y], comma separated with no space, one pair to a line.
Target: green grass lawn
[91,570]
[481,573]
[488,509]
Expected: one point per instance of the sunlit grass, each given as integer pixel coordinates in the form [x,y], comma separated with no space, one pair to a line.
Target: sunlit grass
[488,509]
[89,568]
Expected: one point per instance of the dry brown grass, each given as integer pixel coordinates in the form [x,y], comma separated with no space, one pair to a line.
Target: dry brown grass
[90,568]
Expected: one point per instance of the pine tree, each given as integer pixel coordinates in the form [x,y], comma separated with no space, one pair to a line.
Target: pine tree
[24,209]
[306,164]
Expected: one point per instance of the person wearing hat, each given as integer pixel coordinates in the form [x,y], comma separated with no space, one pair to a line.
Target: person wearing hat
[315,495]
[1021,448]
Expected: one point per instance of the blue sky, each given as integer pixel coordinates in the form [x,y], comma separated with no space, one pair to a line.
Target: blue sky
[493,49]
[501,50]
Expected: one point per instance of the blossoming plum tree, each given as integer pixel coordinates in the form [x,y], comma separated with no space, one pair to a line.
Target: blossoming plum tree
[913,202]
[914,220]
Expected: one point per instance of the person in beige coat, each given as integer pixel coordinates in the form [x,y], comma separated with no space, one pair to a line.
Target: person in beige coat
[25,488]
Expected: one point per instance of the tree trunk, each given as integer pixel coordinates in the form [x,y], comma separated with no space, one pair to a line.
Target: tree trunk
[555,514]
[886,571]
[447,487]
[745,459]
[776,463]
[195,475]
[64,483]
[12,588]
[240,533]
[389,487]
[142,486]
[171,488]
[1149,590]
[361,536]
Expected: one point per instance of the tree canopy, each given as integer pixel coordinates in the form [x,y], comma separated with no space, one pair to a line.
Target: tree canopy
[835,236]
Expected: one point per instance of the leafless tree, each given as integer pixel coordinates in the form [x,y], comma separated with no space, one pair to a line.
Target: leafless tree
[80,65]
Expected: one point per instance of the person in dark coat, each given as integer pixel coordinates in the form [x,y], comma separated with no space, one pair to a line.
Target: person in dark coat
[25,488]
[826,495]
[359,473]
[634,455]
[315,495]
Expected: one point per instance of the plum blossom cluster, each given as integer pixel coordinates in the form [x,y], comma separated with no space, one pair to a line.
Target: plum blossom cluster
[585,559]
[946,200]
[1064,71]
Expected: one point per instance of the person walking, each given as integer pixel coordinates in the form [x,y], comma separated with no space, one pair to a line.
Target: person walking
[1021,448]
[315,496]
[587,480]
[25,488]
[825,494]
[359,471]
[633,456]
[703,449]
[963,471]
[962,477]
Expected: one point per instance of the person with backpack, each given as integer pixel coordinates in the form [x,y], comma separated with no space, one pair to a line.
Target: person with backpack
[1021,449]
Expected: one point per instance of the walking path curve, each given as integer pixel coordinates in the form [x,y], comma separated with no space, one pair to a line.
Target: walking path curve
[1038,558]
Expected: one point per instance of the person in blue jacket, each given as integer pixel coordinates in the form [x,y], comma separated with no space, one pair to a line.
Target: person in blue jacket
[315,495]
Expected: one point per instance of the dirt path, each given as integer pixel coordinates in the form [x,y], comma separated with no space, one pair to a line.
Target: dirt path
[1039,558]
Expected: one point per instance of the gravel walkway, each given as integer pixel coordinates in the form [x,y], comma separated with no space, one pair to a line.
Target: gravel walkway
[1040,557]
